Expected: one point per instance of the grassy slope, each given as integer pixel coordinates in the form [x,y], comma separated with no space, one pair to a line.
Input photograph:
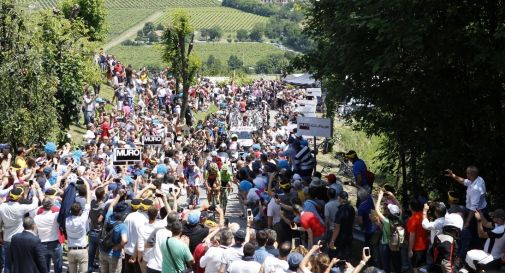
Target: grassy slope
[230,20]
[140,56]
[120,20]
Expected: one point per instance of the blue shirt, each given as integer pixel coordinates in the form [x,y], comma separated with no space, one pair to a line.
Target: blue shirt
[260,254]
[364,210]
[310,205]
[359,168]
[118,231]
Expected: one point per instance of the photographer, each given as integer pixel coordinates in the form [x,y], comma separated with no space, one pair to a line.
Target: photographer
[439,211]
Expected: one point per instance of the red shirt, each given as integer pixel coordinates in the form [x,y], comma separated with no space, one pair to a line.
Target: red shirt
[105,129]
[310,220]
[200,250]
[414,225]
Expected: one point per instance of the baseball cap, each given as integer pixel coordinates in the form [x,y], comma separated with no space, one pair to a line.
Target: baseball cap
[297,177]
[316,182]
[240,235]
[498,213]
[194,217]
[331,177]
[453,220]
[294,259]
[48,170]
[394,209]
[343,195]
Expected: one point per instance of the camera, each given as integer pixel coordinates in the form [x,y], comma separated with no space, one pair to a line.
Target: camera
[158,195]
[212,208]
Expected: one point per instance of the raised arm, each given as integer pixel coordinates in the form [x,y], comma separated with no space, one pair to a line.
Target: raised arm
[306,258]
[456,178]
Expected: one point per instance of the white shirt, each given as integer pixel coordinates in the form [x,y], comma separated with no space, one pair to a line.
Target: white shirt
[76,228]
[475,194]
[274,210]
[47,226]
[275,265]
[241,266]
[134,221]
[162,92]
[157,257]
[434,227]
[252,196]
[496,241]
[11,217]
[211,261]
[145,232]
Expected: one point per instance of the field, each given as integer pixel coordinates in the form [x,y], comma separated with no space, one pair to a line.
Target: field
[127,4]
[230,20]
[140,56]
[121,20]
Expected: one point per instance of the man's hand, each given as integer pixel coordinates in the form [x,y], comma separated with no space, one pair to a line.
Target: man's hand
[426,207]
[449,173]
[219,210]
[331,245]
[477,216]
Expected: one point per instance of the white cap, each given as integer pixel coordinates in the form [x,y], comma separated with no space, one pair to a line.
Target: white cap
[453,220]
[72,178]
[214,153]
[297,177]
[394,209]
[477,256]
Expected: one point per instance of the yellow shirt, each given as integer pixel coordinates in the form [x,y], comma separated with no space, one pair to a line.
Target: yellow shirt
[21,162]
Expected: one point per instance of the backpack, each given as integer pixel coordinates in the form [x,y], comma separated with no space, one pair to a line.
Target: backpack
[106,243]
[397,236]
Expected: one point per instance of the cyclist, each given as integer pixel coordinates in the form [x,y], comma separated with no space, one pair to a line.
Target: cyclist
[212,182]
[193,177]
[226,178]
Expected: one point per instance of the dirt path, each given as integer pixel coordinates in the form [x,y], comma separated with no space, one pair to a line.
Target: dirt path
[131,31]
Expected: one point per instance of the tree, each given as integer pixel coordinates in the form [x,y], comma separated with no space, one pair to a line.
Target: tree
[234,62]
[178,45]
[91,12]
[256,33]
[213,65]
[242,35]
[215,33]
[67,55]
[204,34]
[428,77]
[272,64]
[28,107]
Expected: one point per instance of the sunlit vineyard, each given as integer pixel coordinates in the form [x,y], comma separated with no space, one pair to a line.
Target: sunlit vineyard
[126,4]
[230,20]
[250,53]
[120,20]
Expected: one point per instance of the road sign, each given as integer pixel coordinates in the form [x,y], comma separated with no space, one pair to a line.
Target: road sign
[312,126]
[152,140]
[126,156]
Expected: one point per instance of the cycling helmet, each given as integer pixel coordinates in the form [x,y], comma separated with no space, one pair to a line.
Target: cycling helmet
[256,147]
[234,136]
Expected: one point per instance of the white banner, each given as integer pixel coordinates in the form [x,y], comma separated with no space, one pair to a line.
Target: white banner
[313,92]
[312,126]
[306,102]
[306,109]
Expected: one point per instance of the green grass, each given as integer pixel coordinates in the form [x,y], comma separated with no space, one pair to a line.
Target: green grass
[120,20]
[347,139]
[230,20]
[140,56]
[202,114]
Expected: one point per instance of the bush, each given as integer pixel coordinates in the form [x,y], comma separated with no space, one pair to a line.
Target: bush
[252,6]
[229,40]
